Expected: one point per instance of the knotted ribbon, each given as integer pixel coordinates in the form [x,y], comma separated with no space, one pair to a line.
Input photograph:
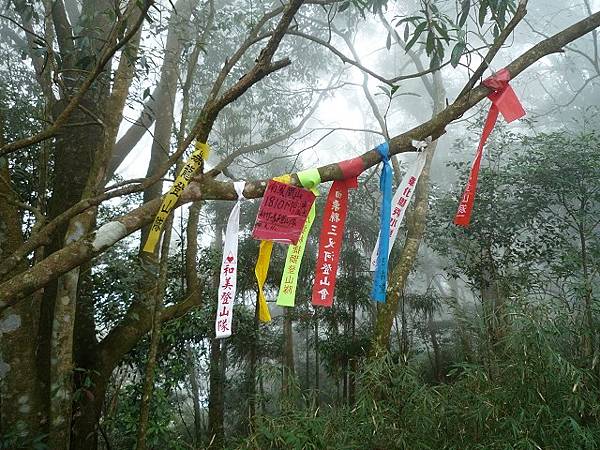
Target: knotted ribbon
[332,233]
[262,267]
[505,101]
[289,279]
[385,186]
[228,274]
[201,151]
[402,198]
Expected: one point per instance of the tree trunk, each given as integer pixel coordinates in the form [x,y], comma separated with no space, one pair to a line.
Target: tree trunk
[404,321]
[437,354]
[215,396]
[588,318]
[288,352]
[195,398]
[317,363]
[21,411]
[415,228]
[306,359]
[353,365]
[252,363]
[216,372]
[397,279]
[159,292]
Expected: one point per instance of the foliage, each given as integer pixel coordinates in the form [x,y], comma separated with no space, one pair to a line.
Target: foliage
[538,399]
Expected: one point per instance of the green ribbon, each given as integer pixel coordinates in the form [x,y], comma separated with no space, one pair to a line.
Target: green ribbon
[310,178]
[289,280]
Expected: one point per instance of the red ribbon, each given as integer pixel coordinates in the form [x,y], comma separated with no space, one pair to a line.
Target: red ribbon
[504,101]
[332,233]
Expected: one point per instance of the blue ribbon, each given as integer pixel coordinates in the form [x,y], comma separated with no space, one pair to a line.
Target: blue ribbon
[385,186]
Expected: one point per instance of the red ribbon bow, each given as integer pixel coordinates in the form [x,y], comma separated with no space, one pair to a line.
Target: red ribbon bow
[504,101]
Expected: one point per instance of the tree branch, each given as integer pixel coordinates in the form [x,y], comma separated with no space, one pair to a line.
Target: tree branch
[206,188]
[498,43]
[60,121]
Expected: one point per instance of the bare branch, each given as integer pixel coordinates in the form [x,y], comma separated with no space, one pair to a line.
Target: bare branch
[60,121]
[504,34]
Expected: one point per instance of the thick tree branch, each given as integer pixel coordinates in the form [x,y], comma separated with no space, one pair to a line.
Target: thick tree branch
[206,188]
[105,56]
[135,132]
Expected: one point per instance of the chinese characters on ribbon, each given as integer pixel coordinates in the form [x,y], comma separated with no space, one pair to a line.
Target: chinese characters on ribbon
[289,280]
[282,213]
[228,274]
[227,285]
[262,267]
[385,186]
[400,202]
[504,101]
[185,175]
[330,242]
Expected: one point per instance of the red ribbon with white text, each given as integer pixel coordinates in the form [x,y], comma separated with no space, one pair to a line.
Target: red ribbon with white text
[332,233]
[504,101]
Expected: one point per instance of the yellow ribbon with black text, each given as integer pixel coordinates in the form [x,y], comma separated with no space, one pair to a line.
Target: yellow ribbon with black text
[201,152]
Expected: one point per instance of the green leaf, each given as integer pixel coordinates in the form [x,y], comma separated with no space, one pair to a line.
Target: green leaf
[411,19]
[441,28]
[429,45]
[416,34]
[385,90]
[344,6]
[483,12]
[457,52]
[388,41]
[464,13]
[406,33]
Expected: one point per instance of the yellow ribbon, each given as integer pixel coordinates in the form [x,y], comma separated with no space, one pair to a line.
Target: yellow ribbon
[201,152]
[262,267]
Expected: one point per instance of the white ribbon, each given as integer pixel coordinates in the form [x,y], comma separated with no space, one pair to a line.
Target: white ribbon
[228,276]
[402,198]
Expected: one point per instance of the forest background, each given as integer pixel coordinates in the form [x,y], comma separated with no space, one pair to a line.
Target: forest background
[488,338]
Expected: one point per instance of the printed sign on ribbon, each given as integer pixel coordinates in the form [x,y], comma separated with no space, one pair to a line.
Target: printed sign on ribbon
[400,203]
[289,280]
[185,175]
[504,101]
[330,242]
[228,274]
[262,267]
[282,213]
[385,185]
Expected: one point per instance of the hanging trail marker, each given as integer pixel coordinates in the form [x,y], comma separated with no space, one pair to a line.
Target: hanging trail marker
[228,274]
[282,213]
[385,186]
[310,179]
[504,101]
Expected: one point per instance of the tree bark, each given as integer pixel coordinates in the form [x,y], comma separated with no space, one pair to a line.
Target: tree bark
[159,292]
[215,396]
[216,371]
[415,228]
[288,353]
[252,365]
[435,345]
[20,394]
[195,397]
